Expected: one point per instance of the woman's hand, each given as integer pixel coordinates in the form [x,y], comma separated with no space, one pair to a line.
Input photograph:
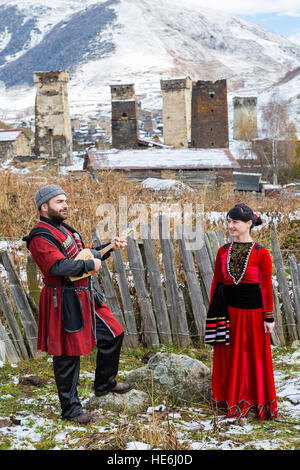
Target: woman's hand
[268,326]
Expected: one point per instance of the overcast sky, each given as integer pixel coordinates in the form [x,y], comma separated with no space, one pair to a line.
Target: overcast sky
[279,16]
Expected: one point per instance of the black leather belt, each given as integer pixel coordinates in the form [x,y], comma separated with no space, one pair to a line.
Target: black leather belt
[80,288]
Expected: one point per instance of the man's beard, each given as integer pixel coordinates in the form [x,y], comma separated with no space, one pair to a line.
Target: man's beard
[56,216]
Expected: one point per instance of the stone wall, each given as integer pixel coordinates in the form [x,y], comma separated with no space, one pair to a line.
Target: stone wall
[193,178]
[53,133]
[122,92]
[209,127]
[124,117]
[245,118]
[177,111]
[20,146]
[124,124]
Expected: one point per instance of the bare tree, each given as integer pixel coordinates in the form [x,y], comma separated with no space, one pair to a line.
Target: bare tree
[280,133]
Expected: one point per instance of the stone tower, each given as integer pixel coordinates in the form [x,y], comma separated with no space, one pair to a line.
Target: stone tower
[124,117]
[177,111]
[244,118]
[209,128]
[53,132]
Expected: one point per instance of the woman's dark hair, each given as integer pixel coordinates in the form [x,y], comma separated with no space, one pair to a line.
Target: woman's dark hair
[245,213]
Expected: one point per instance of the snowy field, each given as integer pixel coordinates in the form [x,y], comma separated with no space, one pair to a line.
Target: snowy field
[29,417]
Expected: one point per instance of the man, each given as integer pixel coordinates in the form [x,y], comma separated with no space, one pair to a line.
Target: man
[72,316]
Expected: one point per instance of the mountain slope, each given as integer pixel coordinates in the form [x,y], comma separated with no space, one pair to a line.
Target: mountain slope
[66,44]
[102,42]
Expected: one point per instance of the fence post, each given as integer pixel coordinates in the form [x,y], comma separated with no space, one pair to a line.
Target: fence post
[209,250]
[20,301]
[158,298]
[147,316]
[295,275]
[175,299]
[283,287]
[205,270]
[220,237]
[126,300]
[7,349]
[214,244]
[278,335]
[12,323]
[32,280]
[196,297]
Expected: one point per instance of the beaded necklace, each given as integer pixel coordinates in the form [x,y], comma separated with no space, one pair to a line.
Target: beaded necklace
[245,263]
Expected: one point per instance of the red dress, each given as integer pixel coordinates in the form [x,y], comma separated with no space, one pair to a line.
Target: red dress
[243,376]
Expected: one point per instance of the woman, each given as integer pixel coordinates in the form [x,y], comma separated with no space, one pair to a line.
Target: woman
[240,320]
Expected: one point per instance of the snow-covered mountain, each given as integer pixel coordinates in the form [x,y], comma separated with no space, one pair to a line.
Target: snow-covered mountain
[141,41]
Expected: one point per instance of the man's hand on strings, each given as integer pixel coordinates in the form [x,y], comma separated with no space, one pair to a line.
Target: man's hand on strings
[119,243]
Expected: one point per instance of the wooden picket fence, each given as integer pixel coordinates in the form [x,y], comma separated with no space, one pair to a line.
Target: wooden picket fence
[17,307]
[145,294]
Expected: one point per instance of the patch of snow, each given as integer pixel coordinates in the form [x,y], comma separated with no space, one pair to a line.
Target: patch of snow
[164,184]
[136,445]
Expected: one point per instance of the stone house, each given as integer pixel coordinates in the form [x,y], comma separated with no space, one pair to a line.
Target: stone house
[14,142]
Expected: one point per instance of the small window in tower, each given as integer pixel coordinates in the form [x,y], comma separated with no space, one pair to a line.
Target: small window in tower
[211,110]
[124,115]
[211,94]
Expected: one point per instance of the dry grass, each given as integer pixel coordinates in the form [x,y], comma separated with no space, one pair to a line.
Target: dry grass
[18,213]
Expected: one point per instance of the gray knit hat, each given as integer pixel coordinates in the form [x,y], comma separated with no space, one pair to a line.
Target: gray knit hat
[46,193]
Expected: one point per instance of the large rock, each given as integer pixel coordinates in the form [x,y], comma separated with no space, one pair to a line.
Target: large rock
[174,375]
[134,401]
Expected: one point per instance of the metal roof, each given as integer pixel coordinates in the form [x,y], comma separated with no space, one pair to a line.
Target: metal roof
[161,158]
[244,181]
[9,135]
